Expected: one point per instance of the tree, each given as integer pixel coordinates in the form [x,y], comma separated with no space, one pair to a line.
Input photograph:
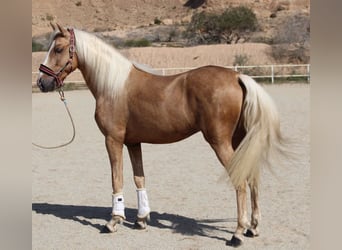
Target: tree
[206,28]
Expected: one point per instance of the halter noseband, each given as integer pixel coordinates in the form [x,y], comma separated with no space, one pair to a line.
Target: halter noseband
[56,75]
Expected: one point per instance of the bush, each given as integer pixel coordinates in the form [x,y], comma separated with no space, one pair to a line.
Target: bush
[212,28]
[241,60]
[239,18]
[49,17]
[100,29]
[157,21]
[137,43]
[37,46]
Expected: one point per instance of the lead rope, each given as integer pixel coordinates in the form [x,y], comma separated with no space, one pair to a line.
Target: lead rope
[61,93]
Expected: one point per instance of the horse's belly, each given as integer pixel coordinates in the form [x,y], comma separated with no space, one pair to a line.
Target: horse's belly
[157,133]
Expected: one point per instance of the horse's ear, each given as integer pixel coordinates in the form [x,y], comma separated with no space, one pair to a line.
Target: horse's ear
[53,26]
[61,29]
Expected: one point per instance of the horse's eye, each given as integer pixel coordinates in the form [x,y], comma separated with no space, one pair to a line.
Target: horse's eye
[58,50]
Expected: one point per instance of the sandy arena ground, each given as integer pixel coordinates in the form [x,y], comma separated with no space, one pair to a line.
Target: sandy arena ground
[191,208]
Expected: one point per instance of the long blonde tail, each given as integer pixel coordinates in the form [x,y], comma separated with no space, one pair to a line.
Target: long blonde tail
[263,140]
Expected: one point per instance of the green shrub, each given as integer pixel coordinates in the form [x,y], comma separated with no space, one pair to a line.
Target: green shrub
[49,17]
[137,43]
[100,29]
[237,18]
[241,60]
[211,26]
[37,46]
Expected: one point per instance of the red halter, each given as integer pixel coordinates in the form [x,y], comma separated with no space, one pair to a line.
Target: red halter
[72,49]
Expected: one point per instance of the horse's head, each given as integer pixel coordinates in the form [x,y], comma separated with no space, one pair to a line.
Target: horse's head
[60,61]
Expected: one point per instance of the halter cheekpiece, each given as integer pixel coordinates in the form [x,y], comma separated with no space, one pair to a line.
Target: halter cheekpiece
[56,75]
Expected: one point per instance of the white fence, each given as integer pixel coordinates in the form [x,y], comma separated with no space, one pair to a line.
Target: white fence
[261,71]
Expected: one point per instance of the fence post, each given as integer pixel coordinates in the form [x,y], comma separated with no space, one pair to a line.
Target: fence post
[308,71]
[272,71]
[163,71]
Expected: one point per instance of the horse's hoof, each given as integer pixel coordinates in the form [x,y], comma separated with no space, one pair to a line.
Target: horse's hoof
[148,218]
[116,219]
[234,242]
[251,233]
[140,224]
[109,228]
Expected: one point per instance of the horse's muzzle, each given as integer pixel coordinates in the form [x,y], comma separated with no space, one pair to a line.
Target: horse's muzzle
[46,84]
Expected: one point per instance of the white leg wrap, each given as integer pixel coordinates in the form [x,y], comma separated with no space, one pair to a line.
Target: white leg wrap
[118,205]
[143,206]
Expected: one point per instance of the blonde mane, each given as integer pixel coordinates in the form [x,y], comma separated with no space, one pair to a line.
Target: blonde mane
[105,69]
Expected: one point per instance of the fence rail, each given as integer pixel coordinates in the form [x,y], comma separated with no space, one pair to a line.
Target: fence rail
[260,71]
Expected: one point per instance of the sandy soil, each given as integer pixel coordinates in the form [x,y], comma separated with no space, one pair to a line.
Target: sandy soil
[191,208]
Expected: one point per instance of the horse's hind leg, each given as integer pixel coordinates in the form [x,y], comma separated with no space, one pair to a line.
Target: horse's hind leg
[224,152]
[253,231]
[243,223]
[139,179]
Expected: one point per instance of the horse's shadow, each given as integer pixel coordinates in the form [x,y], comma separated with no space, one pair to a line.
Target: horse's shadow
[177,223]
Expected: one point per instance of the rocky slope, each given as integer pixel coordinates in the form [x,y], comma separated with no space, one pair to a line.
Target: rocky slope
[96,15]
[163,22]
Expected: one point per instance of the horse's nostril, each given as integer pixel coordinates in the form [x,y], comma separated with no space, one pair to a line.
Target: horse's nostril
[41,85]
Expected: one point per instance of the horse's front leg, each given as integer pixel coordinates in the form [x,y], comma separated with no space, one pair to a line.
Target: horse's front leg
[139,179]
[114,149]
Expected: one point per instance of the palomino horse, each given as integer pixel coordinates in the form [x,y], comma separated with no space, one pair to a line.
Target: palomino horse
[235,115]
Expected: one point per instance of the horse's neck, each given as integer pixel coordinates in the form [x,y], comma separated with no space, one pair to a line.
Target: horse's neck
[104,69]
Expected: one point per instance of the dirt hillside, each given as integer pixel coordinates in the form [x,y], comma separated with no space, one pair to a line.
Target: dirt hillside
[127,14]
[133,19]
